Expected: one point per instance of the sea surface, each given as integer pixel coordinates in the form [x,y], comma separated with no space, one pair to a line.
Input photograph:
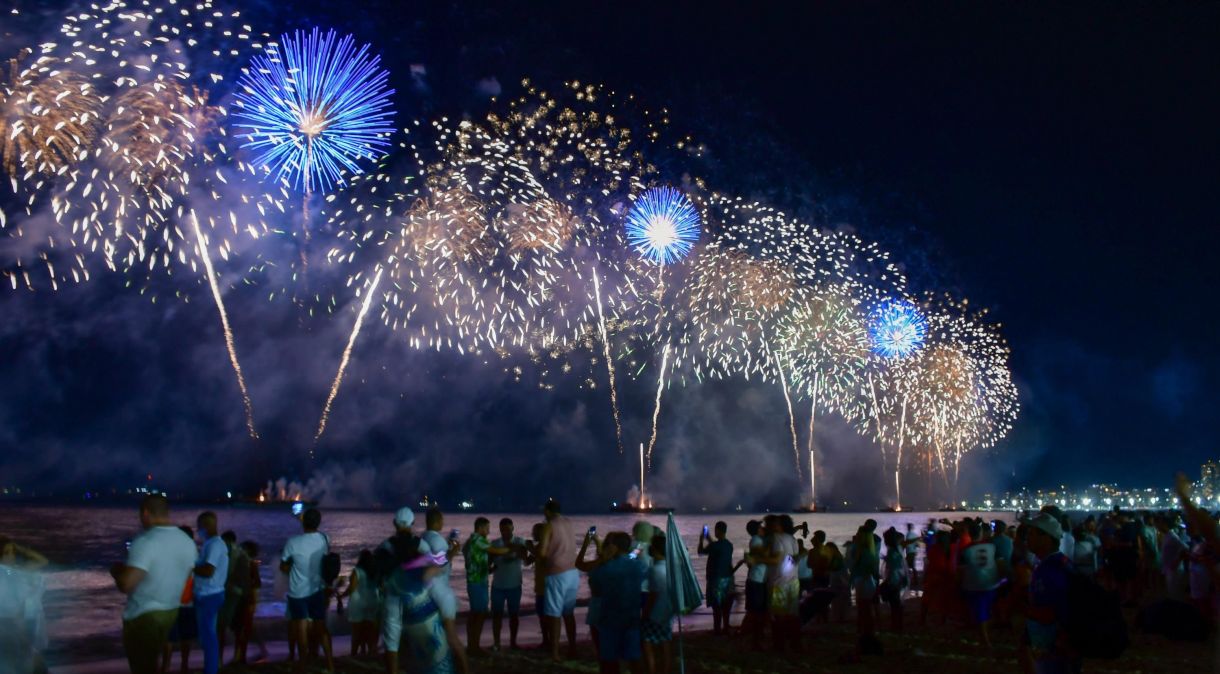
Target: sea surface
[83,607]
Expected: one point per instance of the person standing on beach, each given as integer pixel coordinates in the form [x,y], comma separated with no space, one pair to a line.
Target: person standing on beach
[756,587]
[247,608]
[1048,596]
[211,573]
[478,568]
[535,552]
[615,580]
[506,584]
[302,561]
[388,558]
[158,563]
[434,542]
[558,556]
[719,576]
[21,591]
[237,585]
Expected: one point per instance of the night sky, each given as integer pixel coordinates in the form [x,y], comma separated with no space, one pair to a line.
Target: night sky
[1056,163]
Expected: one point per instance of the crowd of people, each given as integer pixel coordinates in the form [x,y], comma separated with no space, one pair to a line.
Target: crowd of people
[1059,582]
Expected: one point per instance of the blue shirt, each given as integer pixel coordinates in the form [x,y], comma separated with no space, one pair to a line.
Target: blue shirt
[1049,588]
[617,584]
[216,553]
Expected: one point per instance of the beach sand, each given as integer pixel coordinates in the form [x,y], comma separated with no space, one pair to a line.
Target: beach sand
[935,649]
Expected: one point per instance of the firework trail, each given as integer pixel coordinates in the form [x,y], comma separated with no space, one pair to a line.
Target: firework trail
[601,324]
[347,354]
[656,412]
[224,324]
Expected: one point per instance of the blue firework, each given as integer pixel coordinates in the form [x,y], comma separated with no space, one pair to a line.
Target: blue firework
[663,225]
[897,329]
[314,106]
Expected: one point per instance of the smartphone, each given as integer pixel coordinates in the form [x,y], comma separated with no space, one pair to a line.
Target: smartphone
[297,509]
[454,534]
[705,531]
[592,531]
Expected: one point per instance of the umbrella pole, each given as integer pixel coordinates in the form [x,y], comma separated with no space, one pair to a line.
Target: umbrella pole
[681,655]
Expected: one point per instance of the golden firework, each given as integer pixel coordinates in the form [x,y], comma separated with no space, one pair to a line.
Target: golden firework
[48,117]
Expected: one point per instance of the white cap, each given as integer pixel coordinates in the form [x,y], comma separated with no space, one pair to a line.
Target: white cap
[404,518]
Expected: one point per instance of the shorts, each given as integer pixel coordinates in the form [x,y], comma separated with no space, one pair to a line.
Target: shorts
[979,602]
[657,632]
[391,622]
[442,595]
[756,596]
[561,593]
[184,628]
[312,607]
[228,610]
[506,596]
[144,638]
[615,645]
[719,591]
[479,597]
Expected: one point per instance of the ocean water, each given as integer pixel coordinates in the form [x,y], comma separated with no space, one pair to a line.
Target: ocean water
[83,607]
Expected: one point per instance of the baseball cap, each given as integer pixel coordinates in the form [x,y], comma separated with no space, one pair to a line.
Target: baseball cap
[405,517]
[1046,523]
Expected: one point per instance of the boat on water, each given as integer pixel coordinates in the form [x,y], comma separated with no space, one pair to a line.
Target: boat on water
[631,508]
[813,508]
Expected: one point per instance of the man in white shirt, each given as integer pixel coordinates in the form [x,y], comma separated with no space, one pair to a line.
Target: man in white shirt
[211,573]
[302,561]
[159,561]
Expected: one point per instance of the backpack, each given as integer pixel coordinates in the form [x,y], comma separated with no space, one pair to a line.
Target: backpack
[1094,625]
[331,565]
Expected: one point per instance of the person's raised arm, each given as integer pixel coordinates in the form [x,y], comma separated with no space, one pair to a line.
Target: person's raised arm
[587,566]
[1198,518]
[702,550]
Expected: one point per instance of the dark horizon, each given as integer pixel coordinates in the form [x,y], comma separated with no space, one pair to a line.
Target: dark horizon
[1055,163]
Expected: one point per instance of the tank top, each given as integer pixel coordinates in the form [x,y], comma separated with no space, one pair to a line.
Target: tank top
[561,550]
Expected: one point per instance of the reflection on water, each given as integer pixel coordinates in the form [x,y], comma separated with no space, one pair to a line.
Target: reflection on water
[83,541]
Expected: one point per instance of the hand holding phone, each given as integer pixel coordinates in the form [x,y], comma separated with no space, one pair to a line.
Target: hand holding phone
[705,531]
[592,531]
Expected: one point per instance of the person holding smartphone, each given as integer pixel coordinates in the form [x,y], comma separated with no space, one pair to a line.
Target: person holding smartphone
[719,576]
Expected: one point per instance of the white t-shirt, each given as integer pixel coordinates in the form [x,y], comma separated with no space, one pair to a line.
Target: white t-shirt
[979,571]
[306,552]
[433,542]
[507,575]
[166,555]
[758,572]
[216,553]
[785,546]
[1067,545]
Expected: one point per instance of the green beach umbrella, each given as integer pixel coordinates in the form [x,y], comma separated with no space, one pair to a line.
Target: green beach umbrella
[685,594]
